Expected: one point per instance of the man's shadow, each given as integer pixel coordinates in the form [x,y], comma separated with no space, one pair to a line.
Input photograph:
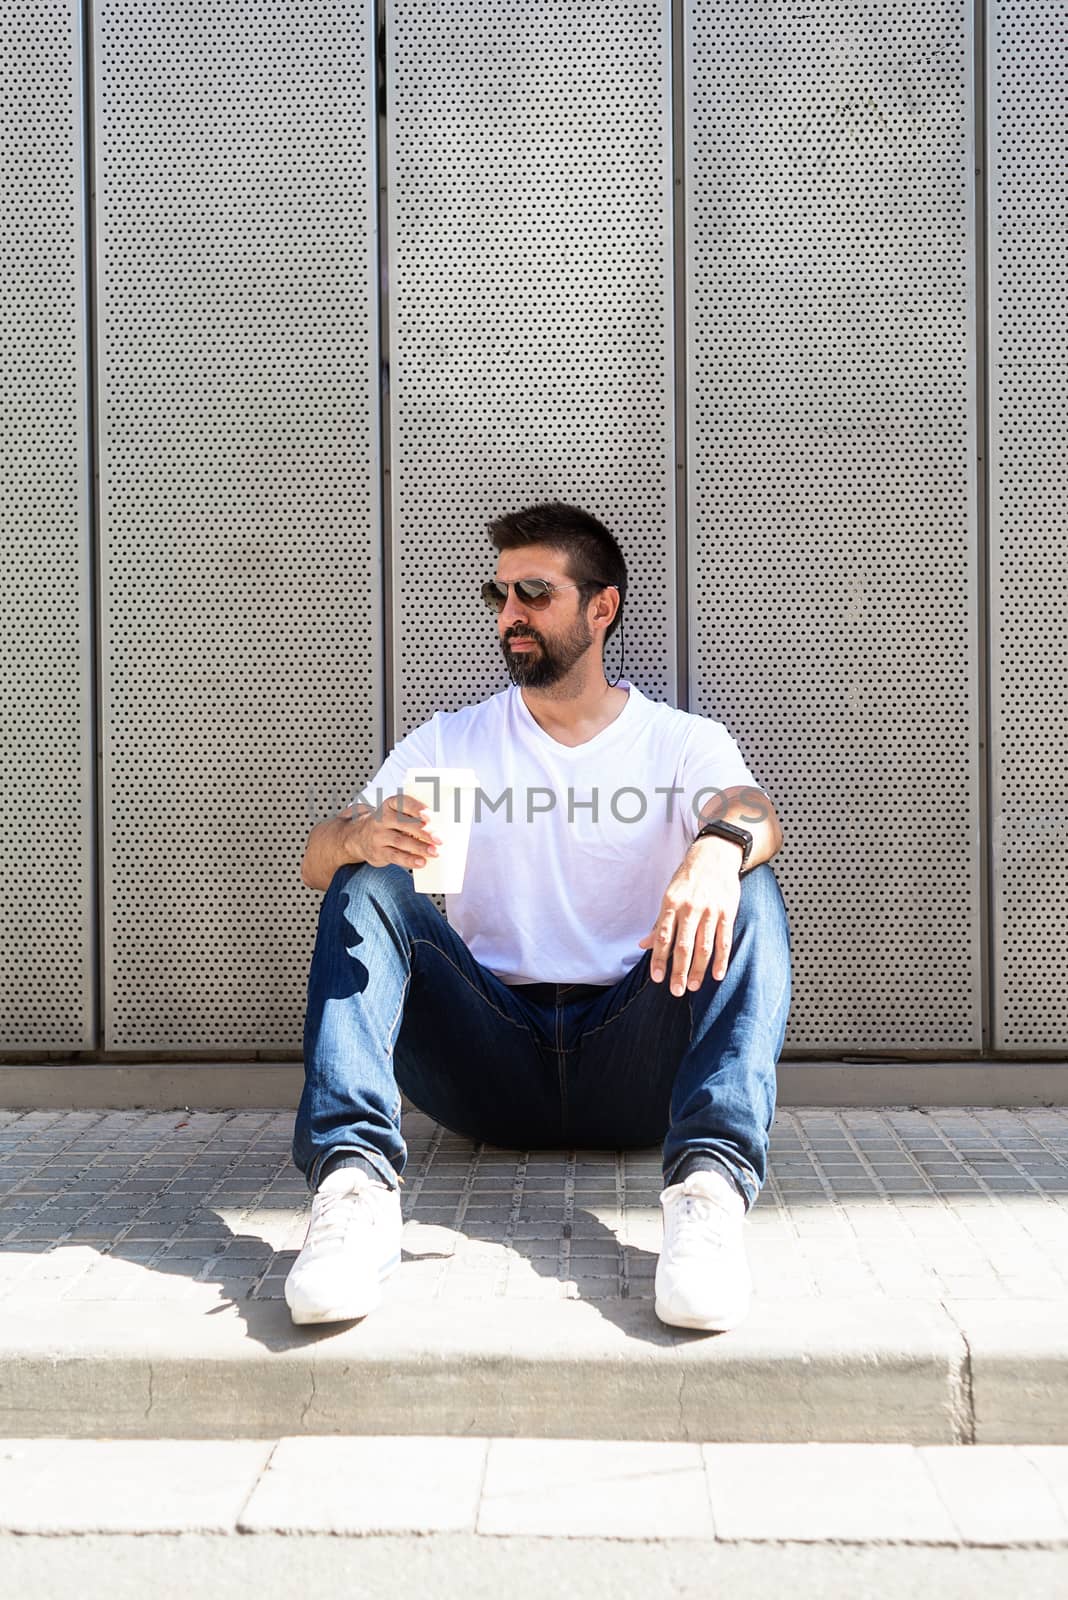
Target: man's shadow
[425,1240]
[248,1272]
[236,1264]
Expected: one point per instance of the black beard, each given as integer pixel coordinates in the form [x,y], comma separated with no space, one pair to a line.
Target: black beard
[542,667]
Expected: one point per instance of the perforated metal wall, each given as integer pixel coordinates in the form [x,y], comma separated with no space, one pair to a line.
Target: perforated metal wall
[832,486]
[47,911]
[1027,57]
[832,476]
[530,315]
[240,565]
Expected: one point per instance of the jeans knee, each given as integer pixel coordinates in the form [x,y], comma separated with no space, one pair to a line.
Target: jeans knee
[761,903]
[759,889]
[357,885]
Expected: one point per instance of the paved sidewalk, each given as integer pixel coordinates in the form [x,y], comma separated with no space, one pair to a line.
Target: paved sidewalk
[910,1267]
[991,1496]
[476,1517]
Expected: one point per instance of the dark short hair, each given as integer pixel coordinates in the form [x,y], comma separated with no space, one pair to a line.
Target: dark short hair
[593,556]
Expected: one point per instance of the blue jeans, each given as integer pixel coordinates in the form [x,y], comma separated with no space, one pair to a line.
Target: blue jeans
[396,1001]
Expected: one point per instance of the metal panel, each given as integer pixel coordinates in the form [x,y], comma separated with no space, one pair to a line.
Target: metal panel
[46,769]
[833,545]
[238,397]
[530,315]
[1027,56]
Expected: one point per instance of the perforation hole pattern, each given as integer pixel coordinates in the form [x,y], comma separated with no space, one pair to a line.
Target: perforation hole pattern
[530,316]
[239,537]
[1028,136]
[46,911]
[831,412]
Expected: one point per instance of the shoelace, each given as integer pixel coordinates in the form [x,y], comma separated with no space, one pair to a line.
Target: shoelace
[335,1214]
[698,1216]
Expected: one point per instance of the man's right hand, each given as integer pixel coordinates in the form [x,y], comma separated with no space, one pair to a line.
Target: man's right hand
[397,834]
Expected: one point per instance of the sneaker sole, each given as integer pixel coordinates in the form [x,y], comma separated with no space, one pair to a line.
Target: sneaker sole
[720,1324]
[346,1311]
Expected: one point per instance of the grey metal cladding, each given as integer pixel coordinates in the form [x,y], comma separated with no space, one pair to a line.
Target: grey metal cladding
[833,544]
[530,316]
[242,693]
[47,906]
[1027,128]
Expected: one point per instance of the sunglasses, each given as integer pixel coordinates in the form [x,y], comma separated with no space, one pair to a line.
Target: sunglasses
[533,592]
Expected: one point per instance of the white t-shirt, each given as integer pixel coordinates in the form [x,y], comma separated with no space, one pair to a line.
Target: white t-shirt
[553,892]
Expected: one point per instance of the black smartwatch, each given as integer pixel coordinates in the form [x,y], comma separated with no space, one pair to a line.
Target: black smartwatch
[730,830]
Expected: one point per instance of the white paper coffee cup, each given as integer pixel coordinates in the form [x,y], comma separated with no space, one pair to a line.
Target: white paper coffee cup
[449,792]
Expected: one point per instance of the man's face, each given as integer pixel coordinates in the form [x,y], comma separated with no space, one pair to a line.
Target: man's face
[541,647]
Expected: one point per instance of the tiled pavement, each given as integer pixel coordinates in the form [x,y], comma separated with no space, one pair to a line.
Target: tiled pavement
[872,1204]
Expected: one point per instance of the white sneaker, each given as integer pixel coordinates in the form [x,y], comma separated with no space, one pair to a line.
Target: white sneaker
[353,1242]
[702,1276]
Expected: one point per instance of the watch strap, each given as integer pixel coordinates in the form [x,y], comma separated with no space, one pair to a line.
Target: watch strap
[729,830]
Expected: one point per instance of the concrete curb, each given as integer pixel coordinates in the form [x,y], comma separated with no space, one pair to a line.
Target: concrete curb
[797,1370]
[1017,1369]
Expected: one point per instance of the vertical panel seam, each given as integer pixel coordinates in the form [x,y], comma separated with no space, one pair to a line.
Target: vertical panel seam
[984,630]
[384,355]
[92,438]
[680,457]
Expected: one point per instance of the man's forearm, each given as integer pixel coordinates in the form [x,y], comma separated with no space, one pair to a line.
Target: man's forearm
[331,844]
[750,809]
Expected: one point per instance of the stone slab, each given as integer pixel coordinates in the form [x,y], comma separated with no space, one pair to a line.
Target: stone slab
[997,1494]
[368,1486]
[819,1492]
[605,1488]
[56,1486]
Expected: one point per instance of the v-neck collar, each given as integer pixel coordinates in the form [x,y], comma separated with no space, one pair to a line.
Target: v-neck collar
[598,739]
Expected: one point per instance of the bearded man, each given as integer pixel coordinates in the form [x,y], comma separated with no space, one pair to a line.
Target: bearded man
[614,972]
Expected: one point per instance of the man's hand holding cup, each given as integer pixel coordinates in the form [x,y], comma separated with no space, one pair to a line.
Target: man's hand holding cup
[395,834]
